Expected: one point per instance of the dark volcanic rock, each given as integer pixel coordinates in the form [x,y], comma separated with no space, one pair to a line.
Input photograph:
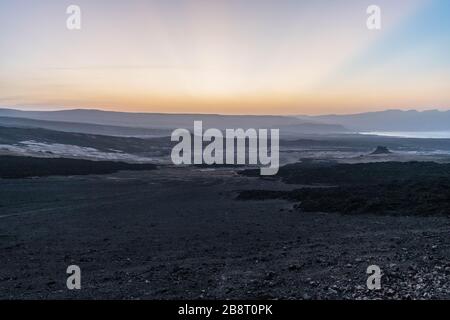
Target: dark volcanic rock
[413,188]
[203,245]
[13,167]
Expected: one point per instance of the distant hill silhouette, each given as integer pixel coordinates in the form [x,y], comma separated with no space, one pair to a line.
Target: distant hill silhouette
[389,120]
[87,128]
[292,125]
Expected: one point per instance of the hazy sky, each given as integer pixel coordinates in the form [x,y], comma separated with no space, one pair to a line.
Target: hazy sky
[225,56]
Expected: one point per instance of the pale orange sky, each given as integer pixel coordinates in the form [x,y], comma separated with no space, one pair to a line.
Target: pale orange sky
[229,57]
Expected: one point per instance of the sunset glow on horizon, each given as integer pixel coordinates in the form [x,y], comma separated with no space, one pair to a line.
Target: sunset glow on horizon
[225,56]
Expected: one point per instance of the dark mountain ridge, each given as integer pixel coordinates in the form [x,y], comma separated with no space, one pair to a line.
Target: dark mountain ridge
[173,121]
[389,120]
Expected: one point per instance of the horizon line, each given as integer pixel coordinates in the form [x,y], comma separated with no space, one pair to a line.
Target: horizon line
[62,109]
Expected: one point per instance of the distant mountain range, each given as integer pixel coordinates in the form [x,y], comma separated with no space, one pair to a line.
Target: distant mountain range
[114,136]
[389,120]
[87,121]
[157,124]
[87,128]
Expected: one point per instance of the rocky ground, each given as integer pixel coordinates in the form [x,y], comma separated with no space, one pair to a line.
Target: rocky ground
[180,233]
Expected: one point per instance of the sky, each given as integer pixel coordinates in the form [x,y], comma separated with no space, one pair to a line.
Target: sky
[225,56]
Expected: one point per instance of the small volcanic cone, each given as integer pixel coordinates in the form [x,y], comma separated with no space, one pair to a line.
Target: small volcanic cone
[381,150]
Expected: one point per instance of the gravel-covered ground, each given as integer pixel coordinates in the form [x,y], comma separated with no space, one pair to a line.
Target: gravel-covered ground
[180,233]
